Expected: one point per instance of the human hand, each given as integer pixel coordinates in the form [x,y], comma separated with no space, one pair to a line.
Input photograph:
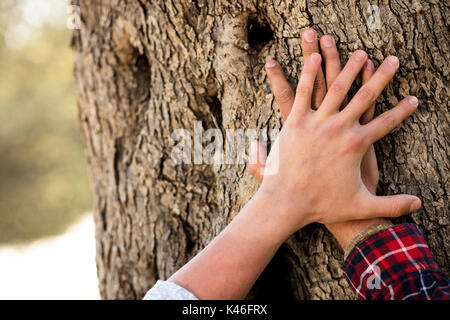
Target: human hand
[344,232]
[284,96]
[305,170]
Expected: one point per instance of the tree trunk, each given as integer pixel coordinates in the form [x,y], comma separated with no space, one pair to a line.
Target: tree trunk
[146,68]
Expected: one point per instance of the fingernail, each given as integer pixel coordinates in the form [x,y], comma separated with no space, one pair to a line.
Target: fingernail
[271,64]
[369,65]
[393,61]
[315,57]
[415,205]
[309,35]
[360,55]
[413,101]
[328,41]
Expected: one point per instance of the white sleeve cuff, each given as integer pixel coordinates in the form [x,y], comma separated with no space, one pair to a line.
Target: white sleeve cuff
[166,290]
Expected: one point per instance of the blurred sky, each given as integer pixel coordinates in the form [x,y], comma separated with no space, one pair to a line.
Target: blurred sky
[44,187]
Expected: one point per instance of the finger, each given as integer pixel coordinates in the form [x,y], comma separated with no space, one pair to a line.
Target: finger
[310,46]
[332,62]
[331,59]
[281,89]
[258,157]
[367,72]
[369,166]
[392,206]
[370,91]
[338,90]
[369,170]
[386,122]
[305,85]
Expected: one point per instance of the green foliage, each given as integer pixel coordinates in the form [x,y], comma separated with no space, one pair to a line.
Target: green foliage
[43,177]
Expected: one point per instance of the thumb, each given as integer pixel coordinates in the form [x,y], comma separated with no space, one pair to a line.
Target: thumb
[258,157]
[393,206]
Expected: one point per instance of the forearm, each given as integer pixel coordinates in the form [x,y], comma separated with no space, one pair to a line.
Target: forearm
[229,266]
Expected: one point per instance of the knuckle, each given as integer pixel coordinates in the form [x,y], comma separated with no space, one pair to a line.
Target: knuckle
[335,127]
[285,95]
[307,51]
[294,121]
[353,142]
[319,83]
[303,91]
[396,208]
[338,88]
[389,120]
[366,94]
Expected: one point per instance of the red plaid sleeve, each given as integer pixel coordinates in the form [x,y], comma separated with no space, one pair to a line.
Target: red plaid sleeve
[395,264]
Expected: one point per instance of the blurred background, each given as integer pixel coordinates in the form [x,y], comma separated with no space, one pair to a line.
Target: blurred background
[47,246]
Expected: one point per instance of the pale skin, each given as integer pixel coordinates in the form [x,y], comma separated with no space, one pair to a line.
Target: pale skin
[320,158]
[284,95]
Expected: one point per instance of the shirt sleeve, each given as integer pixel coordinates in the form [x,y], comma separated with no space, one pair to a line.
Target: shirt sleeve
[395,264]
[166,290]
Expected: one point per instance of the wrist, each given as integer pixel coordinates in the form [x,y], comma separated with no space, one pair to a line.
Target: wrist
[267,217]
[345,232]
[363,235]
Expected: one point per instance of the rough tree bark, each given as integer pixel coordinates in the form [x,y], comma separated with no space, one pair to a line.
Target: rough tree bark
[145,68]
